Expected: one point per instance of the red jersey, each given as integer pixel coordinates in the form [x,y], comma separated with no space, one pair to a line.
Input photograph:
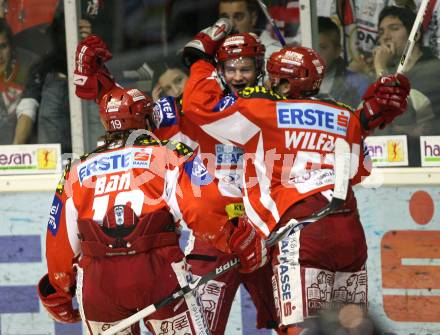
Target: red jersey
[223,161]
[148,176]
[289,144]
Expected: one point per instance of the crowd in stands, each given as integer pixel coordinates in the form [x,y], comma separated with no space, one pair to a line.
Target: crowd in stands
[359,40]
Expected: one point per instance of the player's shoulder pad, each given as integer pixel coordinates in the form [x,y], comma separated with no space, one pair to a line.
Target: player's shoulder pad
[62,181]
[337,103]
[260,92]
[180,148]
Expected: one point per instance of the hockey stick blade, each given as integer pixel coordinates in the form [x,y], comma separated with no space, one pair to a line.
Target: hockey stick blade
[342,174]
[342,177]
[269,18]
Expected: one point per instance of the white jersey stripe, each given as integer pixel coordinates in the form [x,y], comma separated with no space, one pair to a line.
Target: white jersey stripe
[264,181]
[72,226]
[253,215]
[170,190]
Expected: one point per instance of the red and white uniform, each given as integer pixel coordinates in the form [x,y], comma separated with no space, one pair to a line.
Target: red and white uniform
[209,250]
[288,173]
[288,143]
[116,278]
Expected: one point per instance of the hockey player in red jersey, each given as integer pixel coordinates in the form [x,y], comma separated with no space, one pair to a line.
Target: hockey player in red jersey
[240,67]
[113,234]
[288,139]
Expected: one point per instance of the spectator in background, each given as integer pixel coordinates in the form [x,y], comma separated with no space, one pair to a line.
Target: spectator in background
[366,15]
[423,71]
[245,18]
[339,82]
[28,20]
[170,83]
[14,67]
[46,98]
[243,14]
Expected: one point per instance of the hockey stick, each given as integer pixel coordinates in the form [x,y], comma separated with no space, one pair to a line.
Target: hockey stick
[269,18]
[412,37]
[342,174]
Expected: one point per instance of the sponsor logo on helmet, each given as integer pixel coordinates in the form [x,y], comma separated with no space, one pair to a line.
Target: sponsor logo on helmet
[136,94]
[233,40]
[319,67]
[54,215]
[285,69]
[312,116]
[292,57]
[113,106]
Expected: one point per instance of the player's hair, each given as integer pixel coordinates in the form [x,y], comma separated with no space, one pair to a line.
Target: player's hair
[328,27]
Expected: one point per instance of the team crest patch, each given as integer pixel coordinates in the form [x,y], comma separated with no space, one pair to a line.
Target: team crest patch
[198,173]
[225,102]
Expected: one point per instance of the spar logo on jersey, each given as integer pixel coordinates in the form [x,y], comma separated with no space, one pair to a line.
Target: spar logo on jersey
[198,173]
[312,116]
[164,113]
[54,215]
[226,154]
[142,157]
[225,102]
[105,163]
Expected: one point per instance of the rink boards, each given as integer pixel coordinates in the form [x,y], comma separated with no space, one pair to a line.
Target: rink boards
[402,226]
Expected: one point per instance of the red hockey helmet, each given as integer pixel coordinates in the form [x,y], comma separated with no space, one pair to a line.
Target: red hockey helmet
[123,109]
[302,67]
[242,45]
